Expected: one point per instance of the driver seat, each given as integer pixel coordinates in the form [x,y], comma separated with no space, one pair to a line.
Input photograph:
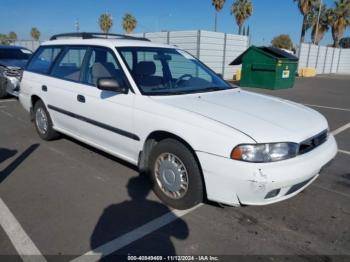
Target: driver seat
[144,74]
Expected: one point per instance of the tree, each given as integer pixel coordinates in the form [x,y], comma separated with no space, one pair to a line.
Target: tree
[35,33]
[345,42]
[12,36]
[4,39]
[282,41]
[323,24]
[339,19]
[218,5]
[8,39]
[129,23]
[241,10]
[105,22]
[305,7]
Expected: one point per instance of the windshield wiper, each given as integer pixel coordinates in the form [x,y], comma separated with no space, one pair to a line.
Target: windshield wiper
[210,89]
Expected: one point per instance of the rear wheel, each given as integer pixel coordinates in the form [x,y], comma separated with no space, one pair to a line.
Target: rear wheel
[175,174]
[43,122]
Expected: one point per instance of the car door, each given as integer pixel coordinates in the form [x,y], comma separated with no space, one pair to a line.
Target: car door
[62,86]
[37,72]
[106,117]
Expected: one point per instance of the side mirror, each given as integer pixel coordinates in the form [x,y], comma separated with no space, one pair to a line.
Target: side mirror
[111,84]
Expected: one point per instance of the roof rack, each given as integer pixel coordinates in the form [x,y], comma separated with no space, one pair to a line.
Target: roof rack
[86,35]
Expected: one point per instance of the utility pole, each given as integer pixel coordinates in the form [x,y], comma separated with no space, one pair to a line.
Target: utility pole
[77,25]
[318,21]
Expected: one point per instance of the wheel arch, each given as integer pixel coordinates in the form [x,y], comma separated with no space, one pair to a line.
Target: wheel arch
[154,138]
[33,100]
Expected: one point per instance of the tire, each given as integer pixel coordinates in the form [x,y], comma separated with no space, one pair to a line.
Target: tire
[3,92]
[167,157]
[45,132]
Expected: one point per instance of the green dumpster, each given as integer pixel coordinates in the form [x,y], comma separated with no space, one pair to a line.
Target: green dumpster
[267,67]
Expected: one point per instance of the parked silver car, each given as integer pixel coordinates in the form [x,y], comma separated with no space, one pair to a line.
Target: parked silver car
[12,61]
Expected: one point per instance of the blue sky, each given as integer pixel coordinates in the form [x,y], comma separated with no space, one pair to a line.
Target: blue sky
[270,17]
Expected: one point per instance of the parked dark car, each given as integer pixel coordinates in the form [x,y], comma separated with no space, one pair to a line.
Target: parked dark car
[12,61]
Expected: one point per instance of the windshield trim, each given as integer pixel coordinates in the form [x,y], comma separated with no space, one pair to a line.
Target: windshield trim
[199,91]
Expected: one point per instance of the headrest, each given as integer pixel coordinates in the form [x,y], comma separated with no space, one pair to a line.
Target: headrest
[102,70]
[145,68]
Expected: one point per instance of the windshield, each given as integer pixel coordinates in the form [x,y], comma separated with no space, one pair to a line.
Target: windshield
[14,54]
[168,71]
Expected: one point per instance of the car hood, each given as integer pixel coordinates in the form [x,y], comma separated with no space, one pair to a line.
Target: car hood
[13,62]
[263,118]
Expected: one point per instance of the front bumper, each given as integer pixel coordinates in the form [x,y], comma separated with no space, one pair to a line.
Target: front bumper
[11,85]
[235,182]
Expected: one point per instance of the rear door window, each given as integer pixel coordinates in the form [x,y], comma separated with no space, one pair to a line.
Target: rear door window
[43,59]
[69,65]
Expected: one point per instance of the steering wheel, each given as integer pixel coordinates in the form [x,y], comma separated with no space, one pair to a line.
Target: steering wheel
[181,78]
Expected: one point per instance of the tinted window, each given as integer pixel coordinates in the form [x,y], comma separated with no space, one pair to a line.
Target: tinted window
[43,59]
[102,63]
[68,67]
[15,54]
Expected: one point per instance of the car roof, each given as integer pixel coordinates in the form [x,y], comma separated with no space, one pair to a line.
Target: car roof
[106,42]
[12,47]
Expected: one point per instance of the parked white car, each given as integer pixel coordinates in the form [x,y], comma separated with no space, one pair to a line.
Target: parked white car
[158,107]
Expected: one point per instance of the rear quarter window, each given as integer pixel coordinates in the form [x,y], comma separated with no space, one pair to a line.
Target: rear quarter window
[43,59]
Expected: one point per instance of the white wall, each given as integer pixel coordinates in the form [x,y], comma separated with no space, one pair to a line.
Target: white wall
[215,49]
[325,59]
[344,61]
[30,44]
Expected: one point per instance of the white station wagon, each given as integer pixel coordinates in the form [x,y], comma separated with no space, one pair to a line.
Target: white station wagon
[158,107]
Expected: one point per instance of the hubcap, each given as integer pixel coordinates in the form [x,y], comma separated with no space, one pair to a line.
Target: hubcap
[171,175]
[41,120]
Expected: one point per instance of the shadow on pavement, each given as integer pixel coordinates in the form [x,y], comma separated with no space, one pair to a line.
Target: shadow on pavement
[6,154]
[15,163]
[124,217]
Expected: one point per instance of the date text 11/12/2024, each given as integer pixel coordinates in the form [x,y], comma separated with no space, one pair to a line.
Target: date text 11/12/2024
[173,258]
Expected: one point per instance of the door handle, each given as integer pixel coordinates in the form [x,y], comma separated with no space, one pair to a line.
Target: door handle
[44,88]
[81,98]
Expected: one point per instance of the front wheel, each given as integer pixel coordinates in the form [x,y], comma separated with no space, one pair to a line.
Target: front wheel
[175,174]
[43,122]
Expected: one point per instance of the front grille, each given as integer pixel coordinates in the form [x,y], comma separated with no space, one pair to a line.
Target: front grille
[313,142]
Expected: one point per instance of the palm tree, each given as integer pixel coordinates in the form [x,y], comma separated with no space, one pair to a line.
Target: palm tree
[242,10]
[129,23]
[218,5]
[35,33]
[323,24]
[339,18]
[105,22]
[305,7]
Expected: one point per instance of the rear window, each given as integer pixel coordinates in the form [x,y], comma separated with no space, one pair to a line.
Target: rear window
[70,64]
[43,59]
[14,54]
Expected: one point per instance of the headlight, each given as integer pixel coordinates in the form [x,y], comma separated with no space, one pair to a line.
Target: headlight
[260,153]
